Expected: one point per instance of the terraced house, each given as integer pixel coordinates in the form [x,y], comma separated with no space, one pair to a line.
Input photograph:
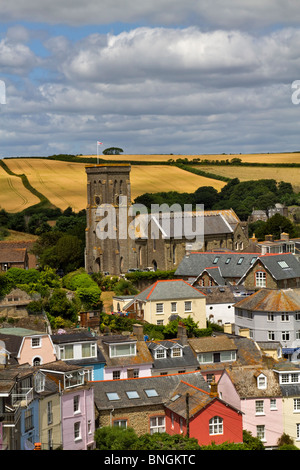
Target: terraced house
[272,315]
[255,391]
[151,405]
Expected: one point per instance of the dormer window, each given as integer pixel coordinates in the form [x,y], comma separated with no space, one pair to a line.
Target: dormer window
[262,382]
[119,350]
[176,351]
[160,353]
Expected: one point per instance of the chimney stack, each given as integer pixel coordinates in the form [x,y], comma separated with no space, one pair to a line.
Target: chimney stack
[213,388]
[228,328]
[138,331]
[181,334]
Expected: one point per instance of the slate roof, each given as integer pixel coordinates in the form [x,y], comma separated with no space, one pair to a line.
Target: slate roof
[228,263]
[198,400]
[79,337]
[272,300]
[164,385]
[169,290]
[187,359]
[170,224]
[65,338]
[218,295]
[271,263]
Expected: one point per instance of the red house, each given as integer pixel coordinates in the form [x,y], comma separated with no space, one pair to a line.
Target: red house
[207,418]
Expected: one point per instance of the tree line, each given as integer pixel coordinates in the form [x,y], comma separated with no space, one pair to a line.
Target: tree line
[242,197]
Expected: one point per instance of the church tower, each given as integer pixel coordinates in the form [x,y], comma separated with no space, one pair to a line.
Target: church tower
[105,184]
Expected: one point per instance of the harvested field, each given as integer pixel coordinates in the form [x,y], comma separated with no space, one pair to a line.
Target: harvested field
[14,197]
[289,175]
[64,183]
[156,178]
[252,158]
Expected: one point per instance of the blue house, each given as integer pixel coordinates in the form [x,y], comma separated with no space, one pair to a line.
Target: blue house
[81,349]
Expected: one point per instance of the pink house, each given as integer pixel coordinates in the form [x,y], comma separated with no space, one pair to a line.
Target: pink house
[77,404]
[256,393]
[28,347]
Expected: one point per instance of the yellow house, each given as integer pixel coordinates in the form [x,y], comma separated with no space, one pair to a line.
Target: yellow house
[49,413]
[168,299]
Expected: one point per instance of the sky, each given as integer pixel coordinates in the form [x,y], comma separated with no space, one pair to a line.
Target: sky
[160,77]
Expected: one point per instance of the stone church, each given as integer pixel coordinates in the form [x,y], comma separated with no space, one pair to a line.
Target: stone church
[109,250]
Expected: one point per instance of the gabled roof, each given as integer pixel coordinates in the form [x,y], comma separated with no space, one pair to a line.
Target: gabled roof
[173,289]
[231,264]
[162,388]
[187,359]
[281,266]
[198,399]
[212,344]
[244,380]
[170,224]
[272,300]
[12,255]
[247,352]
[215,273]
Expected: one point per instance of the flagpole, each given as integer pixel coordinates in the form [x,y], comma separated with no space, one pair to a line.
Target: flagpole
[98,143]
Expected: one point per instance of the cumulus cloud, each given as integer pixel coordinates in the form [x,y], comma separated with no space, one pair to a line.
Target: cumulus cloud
[186,90]
[217,13]
[16,58]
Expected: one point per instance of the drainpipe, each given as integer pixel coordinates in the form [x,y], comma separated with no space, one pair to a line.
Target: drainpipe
[110,419]
[187,401]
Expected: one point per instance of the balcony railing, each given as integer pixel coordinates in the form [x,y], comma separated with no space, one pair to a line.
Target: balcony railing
[10,418]
[23,398]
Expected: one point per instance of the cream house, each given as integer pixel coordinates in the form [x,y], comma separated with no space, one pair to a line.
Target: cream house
[289,382]
[165,300]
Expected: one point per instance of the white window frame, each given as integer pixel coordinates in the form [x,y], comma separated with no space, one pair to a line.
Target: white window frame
[120,423]
[113,349]
[285,317]
[92,350]
[261,432]
[188,308]
[259,407]
[157,424]
[174,307]
[273,404]
[160,353]
[159,308]
[262,382]
[285,335]
[76,404]
[36,342]
[260,279]
[296,405]
[177,350]
[66,348]
[77,431]
[216,426]
[271,335]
